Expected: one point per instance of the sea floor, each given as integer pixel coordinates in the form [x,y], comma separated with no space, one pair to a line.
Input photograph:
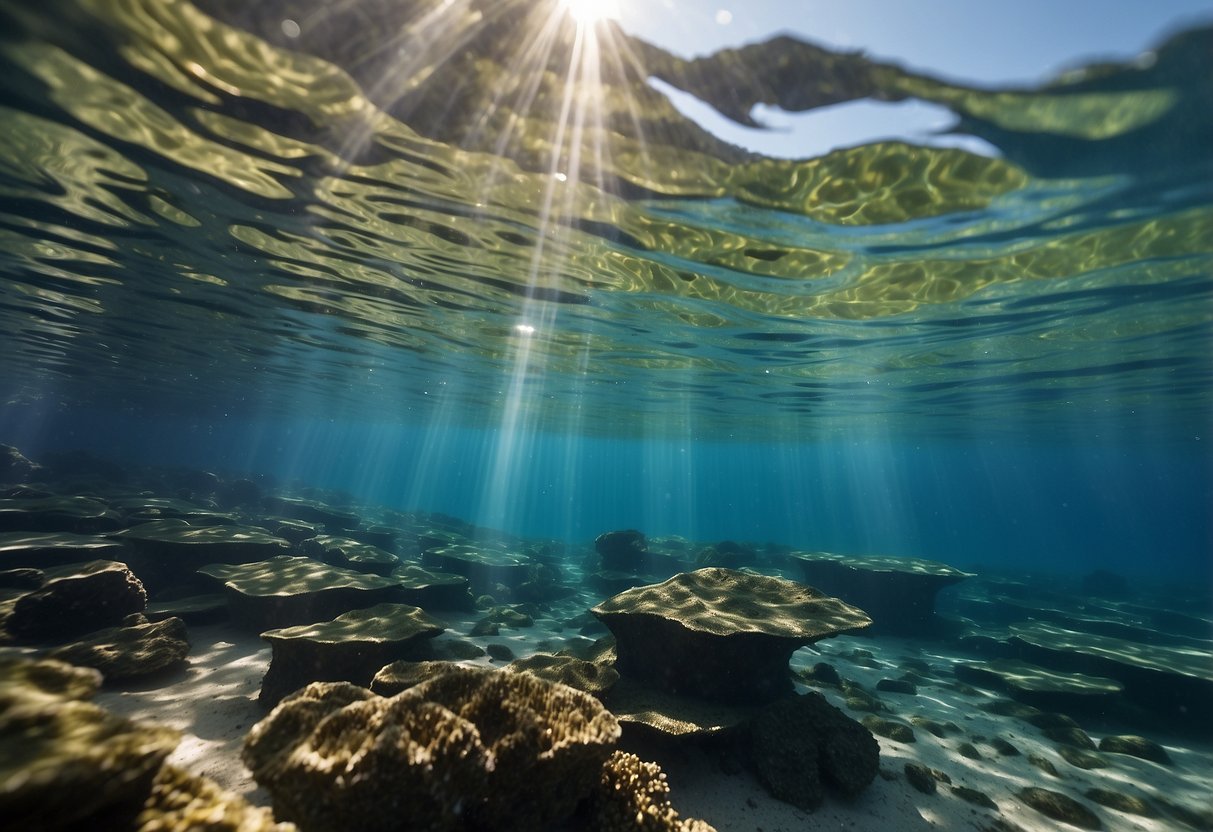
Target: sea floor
[214,703]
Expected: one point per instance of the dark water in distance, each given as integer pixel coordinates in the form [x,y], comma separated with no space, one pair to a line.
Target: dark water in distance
[414,262]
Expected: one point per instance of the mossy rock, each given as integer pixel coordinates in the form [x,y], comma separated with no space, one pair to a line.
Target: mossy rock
[183,802]
[1072,736]
[929,725]
[897,686]
[433,590]
[403,674]
[890,729]
[285,591]
[1059,807]
[921,778]
[977,798]
[499,652]
[721,634]
[68,764]
[77,599]
[136,650]
[1137,747]
[350,648]
[967,749]
[1044,764]
[1004,748]
[1122,802]
[1081,758]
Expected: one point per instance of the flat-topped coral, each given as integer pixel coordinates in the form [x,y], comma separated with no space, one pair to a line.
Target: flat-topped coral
[432,589]
[898,593]
[467,749]
[284,591]
[313,511]
[350,648]
[721,634]
[67,764]
[77,599]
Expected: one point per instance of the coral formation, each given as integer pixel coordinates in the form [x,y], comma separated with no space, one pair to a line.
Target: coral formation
[633,796]
[78,599]
[466,749]
[135,649]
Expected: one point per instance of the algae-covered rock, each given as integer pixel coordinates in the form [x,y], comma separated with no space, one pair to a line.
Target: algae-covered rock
[1060,807]
[401,675]
[633,796]
[921,778]
[285,591]
[350,648]
[313,511]
[1081,758]
[1122,802]
[721,634]
[182,802]
[135,650]
[1036,685]
[590,677]
[467,749]
[67,764]
[485,567]
[1137,747]
[802,744]
[898,593]
[977,798]
[78,599]
[897,731]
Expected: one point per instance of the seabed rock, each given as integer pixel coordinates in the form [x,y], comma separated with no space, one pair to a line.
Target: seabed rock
[621,551]
[1039,686]
[802,744]
[77,599]
[468,749]
[1136,747]
[134,650]
[594,679]
[484,567]
[1059,807]
[67,764]
[720,634]
[350,648]
[350,554]
[76,515]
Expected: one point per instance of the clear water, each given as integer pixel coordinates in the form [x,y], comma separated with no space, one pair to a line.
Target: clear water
[473,258]
[476,263]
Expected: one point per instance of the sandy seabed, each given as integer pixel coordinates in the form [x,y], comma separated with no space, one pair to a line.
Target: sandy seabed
[213,702]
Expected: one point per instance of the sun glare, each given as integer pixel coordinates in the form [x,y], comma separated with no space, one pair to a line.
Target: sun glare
[588,12]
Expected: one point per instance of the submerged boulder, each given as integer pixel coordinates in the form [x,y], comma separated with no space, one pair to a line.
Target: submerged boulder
[484,567]
[284,591]
[78,599]
[136,649]
[467,749]
[350,648]
[721,634]
[350,554]
[621,551]
[803,744]
[898,593]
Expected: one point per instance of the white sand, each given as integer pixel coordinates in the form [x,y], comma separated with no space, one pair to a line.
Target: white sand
[214,704]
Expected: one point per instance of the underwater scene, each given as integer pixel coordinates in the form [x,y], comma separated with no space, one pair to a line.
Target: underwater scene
[562,415]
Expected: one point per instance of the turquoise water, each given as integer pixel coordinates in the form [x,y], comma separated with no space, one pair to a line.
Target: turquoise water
[359,258]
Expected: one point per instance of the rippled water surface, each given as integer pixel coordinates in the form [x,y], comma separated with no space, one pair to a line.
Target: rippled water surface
[461,209]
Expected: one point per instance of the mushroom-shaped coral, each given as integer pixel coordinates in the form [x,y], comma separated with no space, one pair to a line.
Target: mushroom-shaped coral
[721,634]
[467,749]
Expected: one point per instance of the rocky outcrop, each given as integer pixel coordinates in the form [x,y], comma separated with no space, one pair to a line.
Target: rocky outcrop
[77,599]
